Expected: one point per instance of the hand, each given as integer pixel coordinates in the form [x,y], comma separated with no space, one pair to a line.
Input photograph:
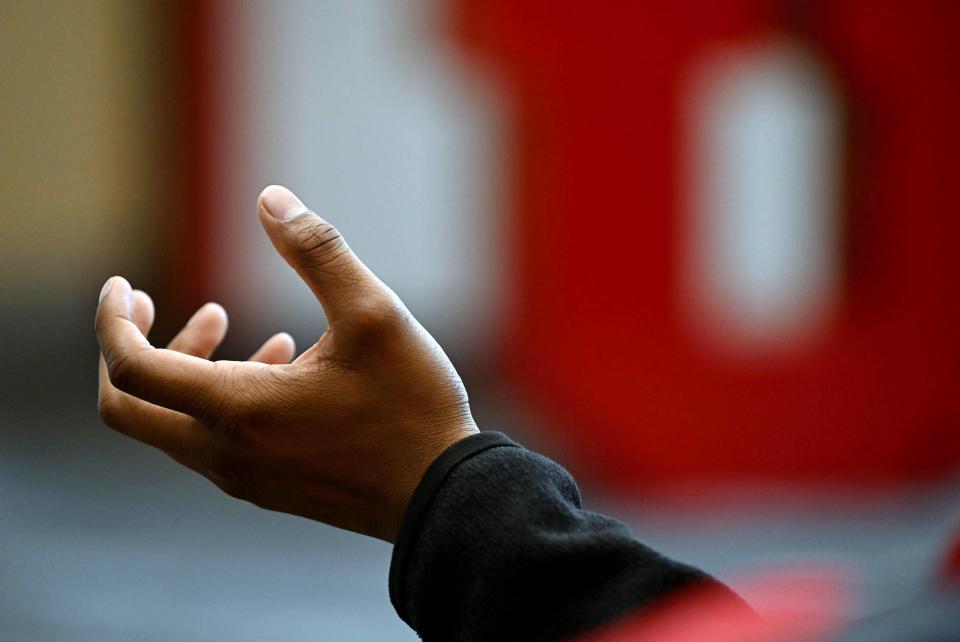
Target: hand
[341,435]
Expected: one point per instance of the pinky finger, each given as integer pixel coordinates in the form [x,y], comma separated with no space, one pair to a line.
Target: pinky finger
[276,350]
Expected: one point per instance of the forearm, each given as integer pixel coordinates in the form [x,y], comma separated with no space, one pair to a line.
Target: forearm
[495,546]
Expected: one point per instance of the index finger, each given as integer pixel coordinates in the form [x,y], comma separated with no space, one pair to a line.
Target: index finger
[162,377]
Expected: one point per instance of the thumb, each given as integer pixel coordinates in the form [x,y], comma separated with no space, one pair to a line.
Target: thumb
[319,254]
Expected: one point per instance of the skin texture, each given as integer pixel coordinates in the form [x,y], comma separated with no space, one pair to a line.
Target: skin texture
[342,434]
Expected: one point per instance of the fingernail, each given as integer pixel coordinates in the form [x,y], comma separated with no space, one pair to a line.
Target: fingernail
[281,203]
[105,289]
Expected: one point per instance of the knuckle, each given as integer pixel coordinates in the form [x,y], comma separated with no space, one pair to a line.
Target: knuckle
[231,475]
[226,467]
[109,410]
[319,243]
[122,370]
[375,320]
[215,462]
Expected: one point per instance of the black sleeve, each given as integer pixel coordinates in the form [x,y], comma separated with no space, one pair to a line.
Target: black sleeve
[495,546]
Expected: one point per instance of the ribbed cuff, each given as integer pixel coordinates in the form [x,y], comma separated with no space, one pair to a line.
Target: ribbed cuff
[422,498]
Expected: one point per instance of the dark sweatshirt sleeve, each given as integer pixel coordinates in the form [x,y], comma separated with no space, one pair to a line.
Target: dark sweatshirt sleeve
[495,546]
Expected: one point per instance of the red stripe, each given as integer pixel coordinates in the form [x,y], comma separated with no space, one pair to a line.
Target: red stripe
[196,28]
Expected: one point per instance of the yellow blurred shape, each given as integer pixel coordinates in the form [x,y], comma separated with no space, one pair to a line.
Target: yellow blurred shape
[82,118]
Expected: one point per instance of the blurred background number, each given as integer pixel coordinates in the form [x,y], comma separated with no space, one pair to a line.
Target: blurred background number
[763,239]
[734,236]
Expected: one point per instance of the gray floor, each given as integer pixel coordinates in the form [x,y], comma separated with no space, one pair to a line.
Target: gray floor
[103,539]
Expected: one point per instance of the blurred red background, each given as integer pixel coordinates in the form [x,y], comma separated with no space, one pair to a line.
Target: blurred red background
[674,309]
[705,246]
[597,328]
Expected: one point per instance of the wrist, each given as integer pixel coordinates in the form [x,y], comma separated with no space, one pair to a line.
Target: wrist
[411,470]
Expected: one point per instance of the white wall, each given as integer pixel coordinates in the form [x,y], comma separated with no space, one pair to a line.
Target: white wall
[365,111]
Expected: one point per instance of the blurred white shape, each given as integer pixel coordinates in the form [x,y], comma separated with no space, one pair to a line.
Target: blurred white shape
[362,109]
[763,247]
